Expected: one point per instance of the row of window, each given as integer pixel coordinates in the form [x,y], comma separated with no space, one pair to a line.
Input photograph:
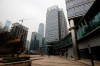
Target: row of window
[84,28]
[74,3]
[65,42]
[78,10]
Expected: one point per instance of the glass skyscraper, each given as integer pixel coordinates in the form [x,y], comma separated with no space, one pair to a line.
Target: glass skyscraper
[8,25]
[56,26]
[41,29]
[36,41]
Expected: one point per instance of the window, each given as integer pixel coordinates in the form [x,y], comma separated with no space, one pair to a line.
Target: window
[69,3]
[87,6]
[85,1]
[79,1]
[91,0]
[71,11]
[79,10]
[75,2]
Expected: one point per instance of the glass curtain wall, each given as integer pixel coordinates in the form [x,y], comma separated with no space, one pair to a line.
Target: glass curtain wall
[84,28]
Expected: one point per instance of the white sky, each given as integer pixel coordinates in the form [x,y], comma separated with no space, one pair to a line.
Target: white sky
[34,10]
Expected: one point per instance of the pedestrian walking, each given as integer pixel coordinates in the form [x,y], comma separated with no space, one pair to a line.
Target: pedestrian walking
[66,54]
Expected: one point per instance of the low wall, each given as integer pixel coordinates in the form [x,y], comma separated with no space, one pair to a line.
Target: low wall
[20,63]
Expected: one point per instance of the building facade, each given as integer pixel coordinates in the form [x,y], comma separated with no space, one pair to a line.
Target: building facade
[17,30]
[77,8]
[55,28]
[41,29]
[8,25]
[27,45]
[36,41]
[63,31]
[87,35]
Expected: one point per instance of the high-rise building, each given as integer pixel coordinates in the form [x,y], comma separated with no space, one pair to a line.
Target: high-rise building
[8,25]
[36,41]
[81,14]
[62,24]
[41,29]
[17,30]
[56,27]
[77,8]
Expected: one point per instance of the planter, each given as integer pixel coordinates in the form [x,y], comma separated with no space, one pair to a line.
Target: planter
[19,63]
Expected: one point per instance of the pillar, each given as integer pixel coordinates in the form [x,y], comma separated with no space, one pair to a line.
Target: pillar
[74,40]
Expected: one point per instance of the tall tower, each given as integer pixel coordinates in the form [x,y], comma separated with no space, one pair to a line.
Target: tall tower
[8,25]
[62,24]
[36,41]
[41,29]
[56,27]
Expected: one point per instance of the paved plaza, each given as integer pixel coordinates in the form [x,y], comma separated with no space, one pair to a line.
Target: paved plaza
[55,61]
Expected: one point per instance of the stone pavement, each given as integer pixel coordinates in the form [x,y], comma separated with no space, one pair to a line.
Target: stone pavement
[36,57]
[55,61]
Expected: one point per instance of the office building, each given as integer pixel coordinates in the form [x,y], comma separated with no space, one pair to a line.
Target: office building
[27,45]
[36,41]
[77,8]
[56,27]
[87,31]
[41,29]
[62,25]
[7,25]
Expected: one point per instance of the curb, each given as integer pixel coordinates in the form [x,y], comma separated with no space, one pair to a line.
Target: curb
[36,58]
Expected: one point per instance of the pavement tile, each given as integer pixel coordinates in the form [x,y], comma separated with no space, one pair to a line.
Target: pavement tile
[55,61]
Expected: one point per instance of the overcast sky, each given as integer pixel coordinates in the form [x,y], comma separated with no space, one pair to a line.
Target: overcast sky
[34,11]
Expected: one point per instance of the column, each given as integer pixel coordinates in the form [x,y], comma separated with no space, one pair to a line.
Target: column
[74,41]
